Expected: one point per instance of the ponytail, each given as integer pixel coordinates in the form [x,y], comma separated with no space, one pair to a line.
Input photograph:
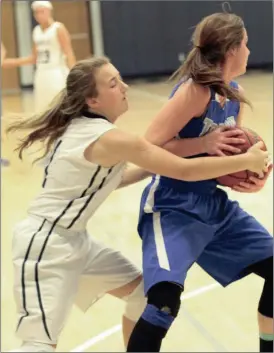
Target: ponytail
[213,37]
[48,126]
[204,71]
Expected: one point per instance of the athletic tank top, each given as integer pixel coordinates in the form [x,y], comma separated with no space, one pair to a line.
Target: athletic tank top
[73,188]
[214,116]
[49,51]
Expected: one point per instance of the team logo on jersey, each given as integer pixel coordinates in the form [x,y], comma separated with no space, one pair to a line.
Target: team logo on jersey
[210,125]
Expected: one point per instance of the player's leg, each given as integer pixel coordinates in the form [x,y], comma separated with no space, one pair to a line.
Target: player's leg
[240,244]
[264,269]
[47,269]
[172,241]
[47,85]
[108,271]
[133,295]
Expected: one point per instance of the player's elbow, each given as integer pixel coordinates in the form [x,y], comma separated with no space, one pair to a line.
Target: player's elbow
[154,138]
[140,145]
[137,151]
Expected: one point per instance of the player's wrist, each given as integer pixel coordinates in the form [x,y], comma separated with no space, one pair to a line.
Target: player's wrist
[203,140]
[246,159]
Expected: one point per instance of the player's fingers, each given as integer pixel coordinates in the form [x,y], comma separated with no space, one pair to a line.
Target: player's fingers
[239,189]
[267,170]
[270,168]
[229,148]
[233,132]
[233,141]
[260,145]
[245,185]
[257,181]
[260,175]
[220,153]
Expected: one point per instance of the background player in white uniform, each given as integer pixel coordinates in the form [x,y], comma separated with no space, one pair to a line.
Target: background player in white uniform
[51,248]
[52,54]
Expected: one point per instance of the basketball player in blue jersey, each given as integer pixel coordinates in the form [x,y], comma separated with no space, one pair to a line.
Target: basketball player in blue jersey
[51,248]
[185,222]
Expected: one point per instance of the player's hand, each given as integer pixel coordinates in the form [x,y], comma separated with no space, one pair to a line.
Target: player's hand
[223,139]
[258,159]
[254,184]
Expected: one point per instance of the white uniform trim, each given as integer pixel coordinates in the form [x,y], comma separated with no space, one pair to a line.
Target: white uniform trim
[74,188]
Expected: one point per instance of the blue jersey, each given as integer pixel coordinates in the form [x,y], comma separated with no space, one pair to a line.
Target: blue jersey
[214,116]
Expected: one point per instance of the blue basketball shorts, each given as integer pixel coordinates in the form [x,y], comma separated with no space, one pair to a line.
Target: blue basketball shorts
[209,229]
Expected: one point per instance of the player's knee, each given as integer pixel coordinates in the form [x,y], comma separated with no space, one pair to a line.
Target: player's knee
[266,301]
[35,347]
[164,300]
[135,303]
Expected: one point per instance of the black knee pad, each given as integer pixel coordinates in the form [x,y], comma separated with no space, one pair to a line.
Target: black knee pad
[266,301]
[264,269]
[166,296]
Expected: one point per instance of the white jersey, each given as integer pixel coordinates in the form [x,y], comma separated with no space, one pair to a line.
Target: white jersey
[74,188]
[49,51]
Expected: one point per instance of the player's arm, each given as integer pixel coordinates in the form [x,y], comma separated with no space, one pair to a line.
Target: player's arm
[254,184]
[189,101]
[65,43]
[27,60]
[3,52]
[116,146]
[132,175]
[239,120]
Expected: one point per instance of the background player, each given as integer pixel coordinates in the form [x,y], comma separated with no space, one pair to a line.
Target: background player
[52,54]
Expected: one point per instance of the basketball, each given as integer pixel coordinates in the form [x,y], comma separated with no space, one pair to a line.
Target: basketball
[230,180]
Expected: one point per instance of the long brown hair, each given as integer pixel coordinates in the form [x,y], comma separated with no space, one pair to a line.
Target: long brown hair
[213,37]
[48,126]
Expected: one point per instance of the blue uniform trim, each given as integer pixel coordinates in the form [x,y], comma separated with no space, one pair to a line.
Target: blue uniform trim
[157,317]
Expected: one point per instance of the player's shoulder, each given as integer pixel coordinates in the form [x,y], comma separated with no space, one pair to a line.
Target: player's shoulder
[59,25]
[84,125]
[196,91]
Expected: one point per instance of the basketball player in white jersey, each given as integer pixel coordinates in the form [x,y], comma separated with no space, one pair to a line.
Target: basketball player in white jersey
[52,54]
[52,250]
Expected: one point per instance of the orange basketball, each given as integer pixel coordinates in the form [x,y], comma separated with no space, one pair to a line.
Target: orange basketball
[251,137]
